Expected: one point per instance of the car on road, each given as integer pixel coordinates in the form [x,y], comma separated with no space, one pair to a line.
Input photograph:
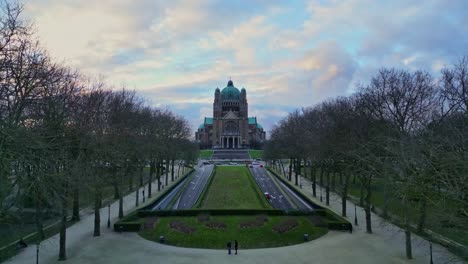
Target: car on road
[267,195]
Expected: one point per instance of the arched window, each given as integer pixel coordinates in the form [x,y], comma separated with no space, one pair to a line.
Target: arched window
[231,127]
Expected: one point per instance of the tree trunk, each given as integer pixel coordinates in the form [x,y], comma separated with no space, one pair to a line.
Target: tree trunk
[137,198]
[63,232]
[38,216]
[344,194]
[333,183]
[409,251]
[297,171]
[97,215]
[130,174]
[282,166]
[178,171]
[121,214]
[304,171]
[361,196]
[290,169]
[142,171]
[385,193]
[322,171]
[158,175]
[167,173]
[63,224]
[327,190]
[422,215]
[76,203]
[172,170]
[115,183]
[314,181]
[368,210]
[150,179]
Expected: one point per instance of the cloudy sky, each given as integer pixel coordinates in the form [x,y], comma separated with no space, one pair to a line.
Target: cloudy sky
[287,54]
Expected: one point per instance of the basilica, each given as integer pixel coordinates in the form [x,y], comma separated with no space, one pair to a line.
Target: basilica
[230,127]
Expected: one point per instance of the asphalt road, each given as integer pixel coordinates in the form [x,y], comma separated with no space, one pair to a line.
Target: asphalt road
[192,191]
[267,184]
[161,205]
[299,203]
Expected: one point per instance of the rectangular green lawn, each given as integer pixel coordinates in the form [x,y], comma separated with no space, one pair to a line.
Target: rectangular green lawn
[233,188]
[205,154]
[256,154]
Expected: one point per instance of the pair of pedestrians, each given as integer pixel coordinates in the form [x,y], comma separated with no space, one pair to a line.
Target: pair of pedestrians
[236,245]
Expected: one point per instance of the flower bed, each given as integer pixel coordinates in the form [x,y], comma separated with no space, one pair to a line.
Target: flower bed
[216,225]
[285,225]
[182,227]
[257,222]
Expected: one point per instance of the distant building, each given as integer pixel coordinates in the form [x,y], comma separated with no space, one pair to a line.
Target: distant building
[230,126]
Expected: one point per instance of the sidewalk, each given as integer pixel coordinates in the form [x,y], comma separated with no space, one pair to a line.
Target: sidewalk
[81,233]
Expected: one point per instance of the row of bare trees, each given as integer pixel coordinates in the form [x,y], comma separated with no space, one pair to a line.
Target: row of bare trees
[62,135]
[404,134]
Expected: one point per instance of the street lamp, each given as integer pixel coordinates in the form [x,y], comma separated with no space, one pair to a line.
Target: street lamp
[108,215]
[355,215]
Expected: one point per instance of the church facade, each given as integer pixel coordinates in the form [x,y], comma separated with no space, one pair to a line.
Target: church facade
[230,127]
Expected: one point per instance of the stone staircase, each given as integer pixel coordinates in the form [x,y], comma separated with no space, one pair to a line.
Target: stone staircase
[231,154]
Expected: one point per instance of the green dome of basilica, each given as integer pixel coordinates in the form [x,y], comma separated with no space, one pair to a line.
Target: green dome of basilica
[230,92]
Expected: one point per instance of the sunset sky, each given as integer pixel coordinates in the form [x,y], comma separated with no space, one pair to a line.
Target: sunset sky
[287,54]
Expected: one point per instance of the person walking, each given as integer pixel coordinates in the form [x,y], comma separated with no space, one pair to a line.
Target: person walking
[229,247]
[236,245]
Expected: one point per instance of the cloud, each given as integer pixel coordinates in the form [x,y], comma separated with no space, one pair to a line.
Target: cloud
[286,54]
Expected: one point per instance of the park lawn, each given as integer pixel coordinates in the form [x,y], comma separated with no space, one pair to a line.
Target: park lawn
[253,237]
[256,154]
[232,187]
[205,154]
